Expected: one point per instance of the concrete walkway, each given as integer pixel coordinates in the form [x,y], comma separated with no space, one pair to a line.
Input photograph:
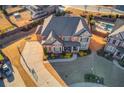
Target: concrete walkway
[74,57]
[33,56]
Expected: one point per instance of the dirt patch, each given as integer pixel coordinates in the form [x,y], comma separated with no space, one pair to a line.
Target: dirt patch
[13,54]
[54,73]
[97,42]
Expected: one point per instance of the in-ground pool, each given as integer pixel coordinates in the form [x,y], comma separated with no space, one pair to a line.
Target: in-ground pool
[108,27]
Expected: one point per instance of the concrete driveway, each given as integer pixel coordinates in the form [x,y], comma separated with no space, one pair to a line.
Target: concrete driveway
[73,72]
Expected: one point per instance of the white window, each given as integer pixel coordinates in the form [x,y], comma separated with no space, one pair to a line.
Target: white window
[111,49]
[57,49]
[75,38]
[83,45]
[66,38]
[83,39]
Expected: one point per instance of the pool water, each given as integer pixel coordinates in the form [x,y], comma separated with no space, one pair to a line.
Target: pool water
[108,27]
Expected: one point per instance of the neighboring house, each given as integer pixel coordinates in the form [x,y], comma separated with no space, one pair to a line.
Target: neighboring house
[65,34]
[39,11]
[115,45]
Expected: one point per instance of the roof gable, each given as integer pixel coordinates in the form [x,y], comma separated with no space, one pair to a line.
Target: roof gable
[57,43]
[79,26]
[46,22]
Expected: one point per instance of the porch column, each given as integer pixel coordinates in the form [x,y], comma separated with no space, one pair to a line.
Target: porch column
[52,48]
[71,49]
[78,49]
[61,49]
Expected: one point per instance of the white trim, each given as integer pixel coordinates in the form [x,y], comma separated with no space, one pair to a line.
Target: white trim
[38,27]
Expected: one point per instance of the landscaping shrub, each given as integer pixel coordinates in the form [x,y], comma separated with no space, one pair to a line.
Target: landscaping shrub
[53,56]
[82,53]
[93,78]
[121,63]
[68,55]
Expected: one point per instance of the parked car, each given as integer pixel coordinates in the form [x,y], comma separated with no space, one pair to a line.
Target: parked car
[7,70]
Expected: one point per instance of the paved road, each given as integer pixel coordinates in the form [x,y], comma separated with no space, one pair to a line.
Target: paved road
[12,38]
[73,72]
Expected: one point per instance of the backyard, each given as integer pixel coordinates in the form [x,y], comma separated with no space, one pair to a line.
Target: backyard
[5,25]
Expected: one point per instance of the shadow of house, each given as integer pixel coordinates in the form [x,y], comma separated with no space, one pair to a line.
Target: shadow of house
[2,83]
[10,78]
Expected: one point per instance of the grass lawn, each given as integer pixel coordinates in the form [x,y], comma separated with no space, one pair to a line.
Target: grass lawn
[25,19]
[1,57]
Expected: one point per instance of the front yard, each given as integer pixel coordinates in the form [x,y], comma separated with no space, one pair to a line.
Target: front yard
[50,56]
[65,55]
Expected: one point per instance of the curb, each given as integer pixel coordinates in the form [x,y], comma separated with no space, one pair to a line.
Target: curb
[117,65]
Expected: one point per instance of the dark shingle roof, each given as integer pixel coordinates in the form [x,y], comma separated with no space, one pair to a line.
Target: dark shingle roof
[62,26]
[70,43]
[118,28]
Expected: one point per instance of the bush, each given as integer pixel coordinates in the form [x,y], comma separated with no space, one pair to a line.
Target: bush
[68,55]
[82,53]
[93,78]
[121,63]
[53,56]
